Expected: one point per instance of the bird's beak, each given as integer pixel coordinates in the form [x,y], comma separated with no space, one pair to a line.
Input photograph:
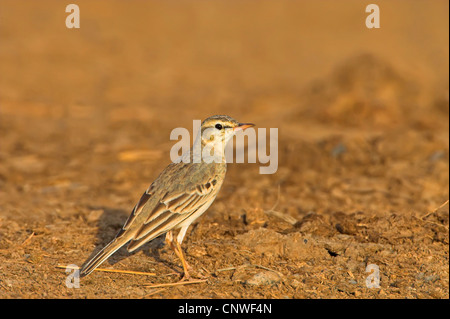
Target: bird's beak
[242,126]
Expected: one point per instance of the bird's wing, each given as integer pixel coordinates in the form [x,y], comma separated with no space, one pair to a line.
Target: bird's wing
[171,210]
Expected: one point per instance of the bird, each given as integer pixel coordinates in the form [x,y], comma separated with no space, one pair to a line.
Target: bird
[182,192]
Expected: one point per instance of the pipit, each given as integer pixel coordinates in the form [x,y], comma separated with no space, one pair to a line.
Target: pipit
[182,192]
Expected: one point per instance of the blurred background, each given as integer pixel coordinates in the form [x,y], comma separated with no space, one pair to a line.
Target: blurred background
[86,114]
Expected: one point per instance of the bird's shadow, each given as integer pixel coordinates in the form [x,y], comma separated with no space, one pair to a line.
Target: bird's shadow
[109,223]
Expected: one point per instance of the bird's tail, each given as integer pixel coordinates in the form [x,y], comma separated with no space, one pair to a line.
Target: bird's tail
[102,255]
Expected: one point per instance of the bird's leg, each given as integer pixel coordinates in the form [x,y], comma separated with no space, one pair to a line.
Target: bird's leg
[180,254]
[175,245]
[169,239]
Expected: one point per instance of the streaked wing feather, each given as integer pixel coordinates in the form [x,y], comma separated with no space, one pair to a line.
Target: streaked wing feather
[174,204]
[136,210]
[170,213]
[153,233]
[147,227]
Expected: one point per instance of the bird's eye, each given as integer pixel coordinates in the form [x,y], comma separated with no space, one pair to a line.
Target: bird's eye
[218,126]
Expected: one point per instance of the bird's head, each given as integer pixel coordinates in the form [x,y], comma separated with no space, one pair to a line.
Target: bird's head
[217,130]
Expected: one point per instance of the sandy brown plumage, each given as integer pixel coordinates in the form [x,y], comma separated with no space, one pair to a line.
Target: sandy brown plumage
[178,196]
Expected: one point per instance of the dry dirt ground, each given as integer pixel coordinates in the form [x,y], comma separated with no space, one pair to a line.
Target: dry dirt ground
[363,145]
